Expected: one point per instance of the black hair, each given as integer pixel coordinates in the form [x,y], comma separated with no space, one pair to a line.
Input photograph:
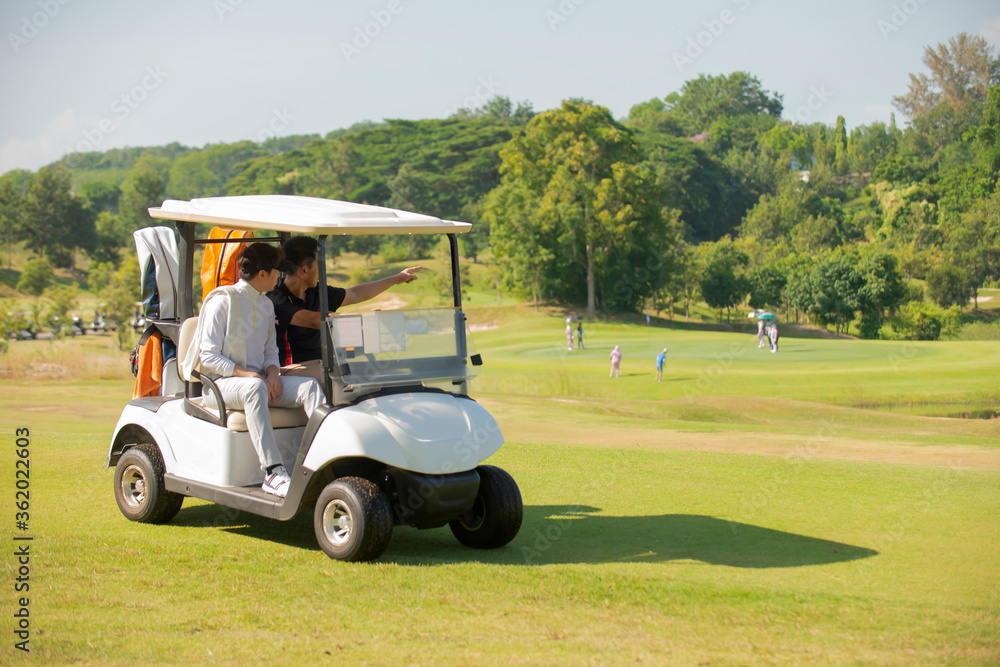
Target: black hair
[258,257]
[300,250]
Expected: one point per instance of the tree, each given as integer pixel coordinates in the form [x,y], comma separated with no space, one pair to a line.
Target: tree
[799,293]
[120,294]
[767,285]
[13,198]
[871,145]
[573,189]
[59,222]
[774,216]
[144,186]
[653,117]
[973,241]
[520,242]
[722,283]
[112,235]
[409,187]
[682,283]
[988,134]
[840,145]
[689,179]
[919,321]
[498,108]
[207,172]
[476,239]
[948,285]
[950,101]
[883,289]
[702,101]
[835,287]
[101,195]
[37,276]
[63,299]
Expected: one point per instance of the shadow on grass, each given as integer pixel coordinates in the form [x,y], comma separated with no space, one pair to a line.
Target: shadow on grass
[569,534]
[295,533]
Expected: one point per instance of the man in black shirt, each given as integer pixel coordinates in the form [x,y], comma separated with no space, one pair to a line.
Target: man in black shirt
[296,301]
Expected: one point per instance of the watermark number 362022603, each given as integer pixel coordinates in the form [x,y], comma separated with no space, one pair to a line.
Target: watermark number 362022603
[22,540]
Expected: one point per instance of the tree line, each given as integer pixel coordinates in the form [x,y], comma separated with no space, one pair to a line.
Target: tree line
[705,193]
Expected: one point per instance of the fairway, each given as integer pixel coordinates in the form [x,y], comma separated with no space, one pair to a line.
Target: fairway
[816,505]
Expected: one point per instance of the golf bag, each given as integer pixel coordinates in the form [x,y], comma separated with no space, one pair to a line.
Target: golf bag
[158,275]
[158,265]
[219,265]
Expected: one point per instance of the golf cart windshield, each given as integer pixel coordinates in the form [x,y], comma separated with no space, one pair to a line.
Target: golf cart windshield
[402,347]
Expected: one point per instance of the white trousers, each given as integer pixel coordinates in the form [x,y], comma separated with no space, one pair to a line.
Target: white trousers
[250,395]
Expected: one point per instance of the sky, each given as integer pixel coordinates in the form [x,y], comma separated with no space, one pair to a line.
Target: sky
[85,75]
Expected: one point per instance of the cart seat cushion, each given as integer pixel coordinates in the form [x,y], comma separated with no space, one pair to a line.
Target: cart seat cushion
[188,329]
[236,420]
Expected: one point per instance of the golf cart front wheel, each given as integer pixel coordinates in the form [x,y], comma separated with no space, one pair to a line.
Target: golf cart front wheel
[353,520]
[495,516]
[139,489]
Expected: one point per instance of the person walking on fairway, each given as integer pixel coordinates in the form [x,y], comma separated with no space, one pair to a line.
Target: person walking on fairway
[660,358]
[616,358]
[760,333]
[579,335]
[569,336]
[773,335]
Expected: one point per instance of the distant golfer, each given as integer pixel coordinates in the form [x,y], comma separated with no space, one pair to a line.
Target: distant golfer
[660,358]
[760,334]
[773,335]
[579,335]
[569,336]
[616,358]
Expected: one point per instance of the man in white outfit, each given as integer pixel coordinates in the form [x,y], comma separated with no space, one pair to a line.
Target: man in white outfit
[237,349]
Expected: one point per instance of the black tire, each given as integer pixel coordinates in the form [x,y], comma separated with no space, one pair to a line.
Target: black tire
[139,488]
[496,515]
[353,520]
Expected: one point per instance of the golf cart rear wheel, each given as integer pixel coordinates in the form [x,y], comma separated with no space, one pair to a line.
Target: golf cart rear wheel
[353,520]
[139,488]
[495,516]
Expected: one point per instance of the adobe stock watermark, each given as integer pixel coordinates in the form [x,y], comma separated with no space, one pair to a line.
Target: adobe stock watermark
[783,477]
[223,7]
[485,91]
[817,99]
[707,377]
[906,353]
[364,34]
[121,108]
[927,501]
[899,17]
[543,540]
[279,121]
[562,13]
[704,39]
[31,25]
[465,454]
[222,175]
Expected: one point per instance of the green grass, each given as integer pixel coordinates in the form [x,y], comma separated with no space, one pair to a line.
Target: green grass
[754,508]
[531,356]
[624,555]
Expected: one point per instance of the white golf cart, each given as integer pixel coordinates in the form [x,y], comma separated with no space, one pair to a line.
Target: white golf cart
[399,441]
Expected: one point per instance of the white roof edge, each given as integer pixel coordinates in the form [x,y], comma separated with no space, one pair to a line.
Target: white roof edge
[303,215]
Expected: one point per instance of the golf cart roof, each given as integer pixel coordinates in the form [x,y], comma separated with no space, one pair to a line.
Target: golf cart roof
[303,215]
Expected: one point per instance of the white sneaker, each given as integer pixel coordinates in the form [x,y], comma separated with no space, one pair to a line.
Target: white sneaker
[276,482]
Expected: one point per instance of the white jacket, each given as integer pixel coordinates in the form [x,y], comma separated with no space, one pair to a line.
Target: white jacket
[236,327]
